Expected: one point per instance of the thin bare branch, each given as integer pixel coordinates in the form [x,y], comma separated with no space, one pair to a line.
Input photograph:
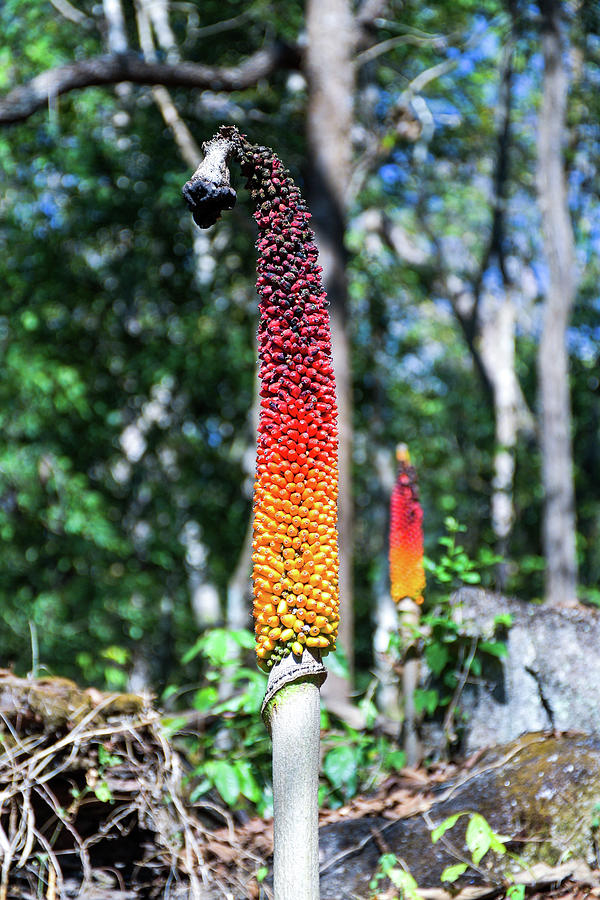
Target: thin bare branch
[188,148]
[71,12]
[390,44]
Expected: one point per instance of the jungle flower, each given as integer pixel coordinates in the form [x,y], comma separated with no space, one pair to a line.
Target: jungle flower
[407,575]
[295,557]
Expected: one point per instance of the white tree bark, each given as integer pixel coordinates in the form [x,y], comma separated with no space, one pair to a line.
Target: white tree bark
[154,14]
[553,364]
[115,21]
[330,72]
[498,335]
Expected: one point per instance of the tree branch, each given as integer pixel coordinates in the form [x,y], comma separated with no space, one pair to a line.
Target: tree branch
[26,99]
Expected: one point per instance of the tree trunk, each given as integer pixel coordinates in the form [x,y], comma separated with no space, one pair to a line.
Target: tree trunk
[385,614]
[511,417]
[553,374]
[330,73]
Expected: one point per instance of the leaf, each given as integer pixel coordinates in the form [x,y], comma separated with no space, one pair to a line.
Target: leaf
[444,826]
[426,700]
[451,873]
[516,892]
[103,792]
[404,880]
[200,789]
[205,698]
[194,650]
[243,638]
[173,724]
[218,646]
[337,663]
[105,758]
[470,577]
[340,766]
[247,782]
[387,862]
[396,759]
[437,656]
[226,781]
[117,654]
[495,648]
[478,837]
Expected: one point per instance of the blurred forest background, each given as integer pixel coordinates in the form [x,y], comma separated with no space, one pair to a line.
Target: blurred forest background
[450,154]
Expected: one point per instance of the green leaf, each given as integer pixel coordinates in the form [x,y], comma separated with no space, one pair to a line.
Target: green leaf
[404,880]
[340,766]
[478,837]
[226,781]
[437,656]
[200,790]
[516,892]
[218,646]
[453,526]
[103,792]
[426,700]
[395,759]
[503,619]
[337,663]
[105,758]
[387,862]
[470,577]
[172,724]
[495,648]
[247,782]
[261,874]
[243,638]
[194,650]
[444,826]
[451,873]
[205,698]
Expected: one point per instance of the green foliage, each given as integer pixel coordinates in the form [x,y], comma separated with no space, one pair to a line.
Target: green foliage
[232,754]
[353,762]
[390,868]
[451,653]
[455,567]
[479,839]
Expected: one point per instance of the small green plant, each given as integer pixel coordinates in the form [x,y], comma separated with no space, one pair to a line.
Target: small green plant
[455,566]
[452,654]
[355,760]
[391,868]
[232,753]
[480,839]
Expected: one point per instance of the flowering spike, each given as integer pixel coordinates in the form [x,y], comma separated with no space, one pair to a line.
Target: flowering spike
[407,575]
[295,556]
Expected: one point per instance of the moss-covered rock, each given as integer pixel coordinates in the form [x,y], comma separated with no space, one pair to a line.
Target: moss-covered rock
[540,790]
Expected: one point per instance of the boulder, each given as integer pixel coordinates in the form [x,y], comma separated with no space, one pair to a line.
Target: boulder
[550,678]
[541,790]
